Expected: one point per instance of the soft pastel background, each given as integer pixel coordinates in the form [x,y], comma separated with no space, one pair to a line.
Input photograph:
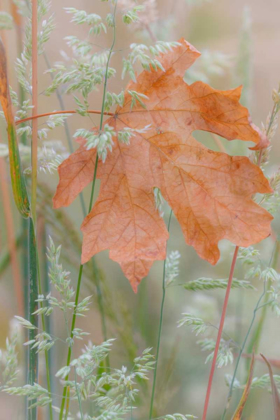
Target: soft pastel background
[211,26]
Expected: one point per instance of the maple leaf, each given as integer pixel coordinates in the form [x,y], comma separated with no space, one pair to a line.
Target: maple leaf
[209,192]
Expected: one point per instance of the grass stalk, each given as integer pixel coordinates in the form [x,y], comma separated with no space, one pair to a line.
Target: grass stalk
[159,329]
[34,162]
[100,300]
[46,290]
[24,222]
[257,307]
[256,337]
[220,331]
[69,355]
[255,341]
[32,307]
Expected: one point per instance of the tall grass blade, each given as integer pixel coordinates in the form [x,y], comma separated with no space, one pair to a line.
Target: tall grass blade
[18,183]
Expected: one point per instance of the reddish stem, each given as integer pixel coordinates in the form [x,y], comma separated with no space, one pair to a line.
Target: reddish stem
[221,326]
[34,146]
[60,112]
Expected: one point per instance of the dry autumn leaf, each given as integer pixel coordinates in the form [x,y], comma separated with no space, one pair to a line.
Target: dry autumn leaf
[209,192]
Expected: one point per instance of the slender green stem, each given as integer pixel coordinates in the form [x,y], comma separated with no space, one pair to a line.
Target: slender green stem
[34,160]
[255,341]
[84,211]
[159,329]
[257,307]
[242,349]
[49,324]
[43,321]
[79,397]
[69,355]
[32,307]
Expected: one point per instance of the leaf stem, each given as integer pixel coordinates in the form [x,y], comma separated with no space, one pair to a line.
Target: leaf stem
[159,328]
[35,116]
[220,331]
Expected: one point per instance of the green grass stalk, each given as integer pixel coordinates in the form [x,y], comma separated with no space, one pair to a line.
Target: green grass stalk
[84,212]
[32,307]
[34,161]
[69,355]
[257,307]
[255,341]
[159,329]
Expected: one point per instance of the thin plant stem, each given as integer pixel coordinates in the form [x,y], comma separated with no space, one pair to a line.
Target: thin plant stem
[254,343]
[33,266]
[159,329]
[32,307]
[100,301]
[34,117]
[242,349]
[34,162]
[220,331]
[43,321]
[24,222]
[34,146]
[46,291]
[69,355]
[79,397]
[257,307]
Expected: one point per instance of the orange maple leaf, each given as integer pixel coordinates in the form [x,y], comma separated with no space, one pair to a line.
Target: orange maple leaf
[209,192]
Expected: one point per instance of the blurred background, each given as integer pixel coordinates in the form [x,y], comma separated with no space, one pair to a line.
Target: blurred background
[239,41]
